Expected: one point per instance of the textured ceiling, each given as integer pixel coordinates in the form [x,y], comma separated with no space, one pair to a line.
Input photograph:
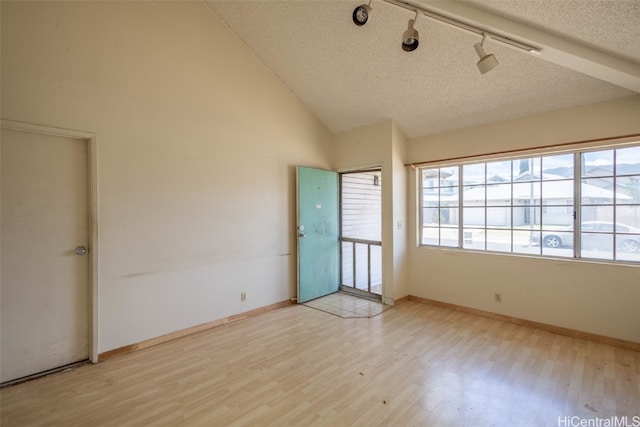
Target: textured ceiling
[351,76]
[612,26]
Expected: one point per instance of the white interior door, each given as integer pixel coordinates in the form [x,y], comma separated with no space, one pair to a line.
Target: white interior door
[44,293]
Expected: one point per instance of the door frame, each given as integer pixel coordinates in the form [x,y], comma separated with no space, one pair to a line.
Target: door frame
[363,168]
[92,175]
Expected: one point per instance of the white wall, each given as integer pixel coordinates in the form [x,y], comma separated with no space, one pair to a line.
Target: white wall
[592,297]
[383,144]
[197,143]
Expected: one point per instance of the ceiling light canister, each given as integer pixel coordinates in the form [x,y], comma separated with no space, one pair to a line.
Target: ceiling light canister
[361,14]
[410,38]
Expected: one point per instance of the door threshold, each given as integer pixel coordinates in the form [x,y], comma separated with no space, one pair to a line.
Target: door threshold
[360,293]
[44,373]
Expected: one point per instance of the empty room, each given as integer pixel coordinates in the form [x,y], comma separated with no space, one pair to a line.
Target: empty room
[320,212]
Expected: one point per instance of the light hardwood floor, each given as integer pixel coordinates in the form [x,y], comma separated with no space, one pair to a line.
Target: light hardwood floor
[413,365]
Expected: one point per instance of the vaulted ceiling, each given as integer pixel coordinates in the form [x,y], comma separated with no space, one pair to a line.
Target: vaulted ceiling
[351,76]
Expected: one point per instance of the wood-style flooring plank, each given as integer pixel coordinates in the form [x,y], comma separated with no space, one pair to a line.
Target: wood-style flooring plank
[415,364]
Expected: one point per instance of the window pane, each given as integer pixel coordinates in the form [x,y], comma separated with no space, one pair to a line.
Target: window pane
[448,217]
[606,227]
[449,196]
[473,217]
[473,239]
[498,240]
[593,216]
[499,195]
[557,217]
[628,161]
[628,216]
[564,251]
[526,191]
[431,216]
[430,236]
[430,177]
[557,192]
[449,177]
[557,238]
[628,247]
[525,216]
[447,192]
[499,217]
[499,171]
[440,206]
[597,191]
[451,205]
[597,163]
[526,169]
[474,195]
[598,246]
[628,189]
[557,167]
[449,237]
[430,194]
[526,242]
[473,174]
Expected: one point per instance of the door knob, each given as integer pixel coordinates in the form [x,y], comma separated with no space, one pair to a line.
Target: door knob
[301,231]
[81,250]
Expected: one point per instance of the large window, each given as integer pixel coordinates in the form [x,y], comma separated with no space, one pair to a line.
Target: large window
[584,204]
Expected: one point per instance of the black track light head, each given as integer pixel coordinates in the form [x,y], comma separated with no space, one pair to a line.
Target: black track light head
[361,14]
[410,38]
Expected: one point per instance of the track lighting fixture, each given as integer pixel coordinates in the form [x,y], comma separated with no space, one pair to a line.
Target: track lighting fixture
[410,38]
[487,62]
[361,14]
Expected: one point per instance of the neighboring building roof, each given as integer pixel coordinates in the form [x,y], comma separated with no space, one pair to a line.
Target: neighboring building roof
[523,191]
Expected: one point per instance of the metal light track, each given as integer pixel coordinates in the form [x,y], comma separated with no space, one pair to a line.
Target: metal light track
[462,26]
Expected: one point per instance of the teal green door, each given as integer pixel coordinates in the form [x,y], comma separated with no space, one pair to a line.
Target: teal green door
[318,244]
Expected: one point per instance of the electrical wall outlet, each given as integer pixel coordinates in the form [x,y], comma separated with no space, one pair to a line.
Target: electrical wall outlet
[243,296]
[497,297]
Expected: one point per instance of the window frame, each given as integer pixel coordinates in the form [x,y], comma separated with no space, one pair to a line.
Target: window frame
[577,154]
